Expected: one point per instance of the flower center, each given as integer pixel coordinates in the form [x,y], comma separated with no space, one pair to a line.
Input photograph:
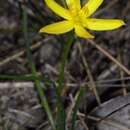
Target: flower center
[77,16]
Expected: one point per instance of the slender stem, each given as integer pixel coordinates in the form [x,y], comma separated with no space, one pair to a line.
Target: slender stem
[61,112]
[40,91]
[64,61]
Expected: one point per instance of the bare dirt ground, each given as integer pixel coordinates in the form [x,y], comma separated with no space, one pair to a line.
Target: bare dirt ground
[20,108]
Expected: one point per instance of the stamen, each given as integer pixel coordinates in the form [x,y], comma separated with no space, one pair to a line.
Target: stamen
[85,11]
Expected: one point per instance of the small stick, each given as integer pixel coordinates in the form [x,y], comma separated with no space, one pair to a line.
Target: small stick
[15,56]
[93,85]
[122,76]
[107,54]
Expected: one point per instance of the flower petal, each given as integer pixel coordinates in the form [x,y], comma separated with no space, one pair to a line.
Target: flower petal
[91,7]
[73,4]
[81,32]
[103,24]
[58,28]
[59,10]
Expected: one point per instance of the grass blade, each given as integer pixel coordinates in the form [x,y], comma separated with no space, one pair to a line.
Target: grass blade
[40,91]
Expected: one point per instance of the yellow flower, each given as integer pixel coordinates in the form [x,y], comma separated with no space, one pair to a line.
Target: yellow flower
[78,18]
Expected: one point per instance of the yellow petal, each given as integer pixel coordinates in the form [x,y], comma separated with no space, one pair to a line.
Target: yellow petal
[103,24]
[73,4]
[81,32]
[90,7]
[58,28]
[59,10]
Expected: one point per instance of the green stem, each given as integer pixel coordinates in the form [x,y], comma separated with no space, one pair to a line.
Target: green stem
[40,91]
[61,111]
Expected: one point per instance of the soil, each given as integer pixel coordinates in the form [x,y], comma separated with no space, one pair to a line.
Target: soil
[20,107]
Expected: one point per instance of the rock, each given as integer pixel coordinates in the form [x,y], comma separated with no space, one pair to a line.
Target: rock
[115,114]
